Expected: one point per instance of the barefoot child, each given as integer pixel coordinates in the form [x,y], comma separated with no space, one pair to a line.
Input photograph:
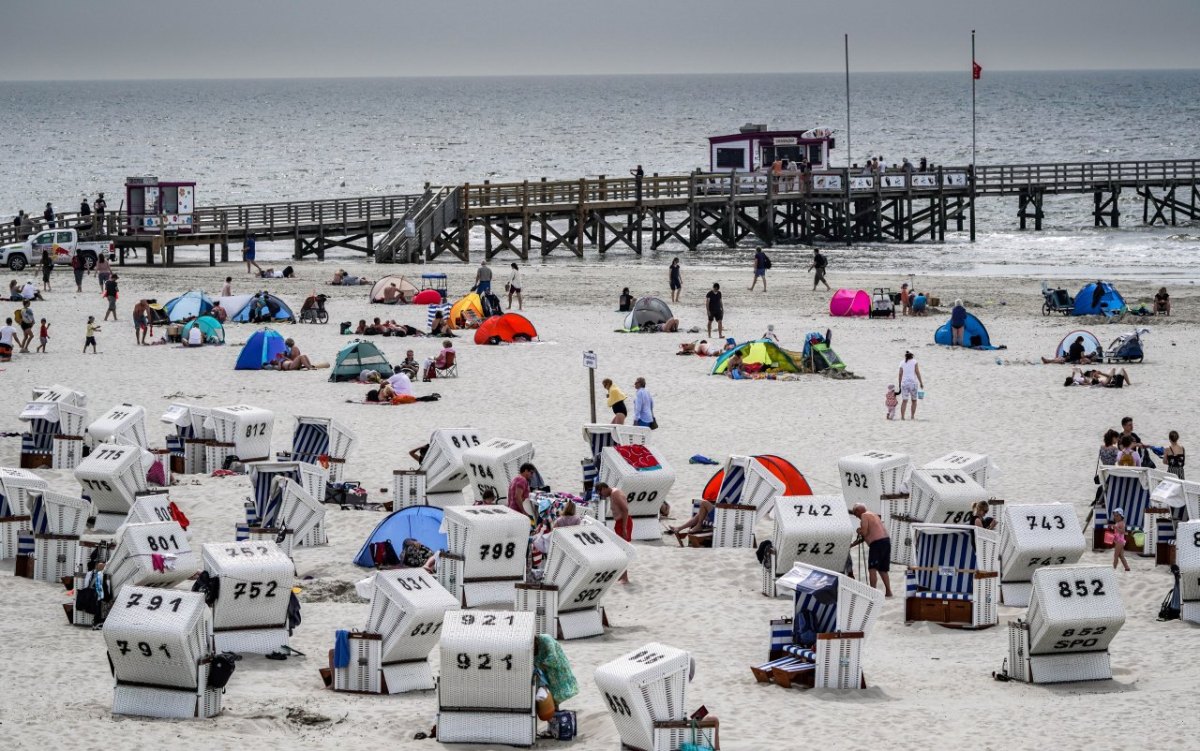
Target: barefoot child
[1118,529]
[90,341]
[890,402]
[43,336]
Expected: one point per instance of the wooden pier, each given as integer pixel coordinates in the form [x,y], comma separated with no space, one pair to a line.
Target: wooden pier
[542,217]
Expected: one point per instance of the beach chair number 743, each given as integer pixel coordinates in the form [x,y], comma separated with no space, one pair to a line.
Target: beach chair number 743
[1081,588]
[1044,522]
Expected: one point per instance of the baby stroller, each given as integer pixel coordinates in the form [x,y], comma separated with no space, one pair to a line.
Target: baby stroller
[1056,301]
[1126,347]
[881,304]
[313,310]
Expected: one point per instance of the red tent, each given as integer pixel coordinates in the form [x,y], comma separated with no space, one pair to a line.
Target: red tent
[793,481]
[427,297]
[510,327]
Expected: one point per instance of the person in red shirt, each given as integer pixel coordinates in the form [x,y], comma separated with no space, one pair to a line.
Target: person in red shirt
[518,490]
[879,546]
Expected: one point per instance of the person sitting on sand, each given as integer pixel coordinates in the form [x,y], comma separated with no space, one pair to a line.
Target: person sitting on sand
[361,329]
[770,333]
[1075,355]
[369,376]
[218,313]
[195,338]
[625,301]
[569,517]
[1162,302]
[700,348]
[734,367]
[409,366]
[293,358]
[1112,379]
[392,294]
[439,326]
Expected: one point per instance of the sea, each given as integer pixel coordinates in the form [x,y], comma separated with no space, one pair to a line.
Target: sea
[285,139]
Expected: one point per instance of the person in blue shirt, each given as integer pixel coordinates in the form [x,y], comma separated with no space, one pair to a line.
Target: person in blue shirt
[760,269]
[958,324]
[248,253]
[643,405]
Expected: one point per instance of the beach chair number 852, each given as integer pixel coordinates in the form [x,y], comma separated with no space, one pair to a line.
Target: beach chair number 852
[1081,588]
[856,480]
[497,550]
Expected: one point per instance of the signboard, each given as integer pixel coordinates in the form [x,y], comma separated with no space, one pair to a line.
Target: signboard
[784,141]
[589,360]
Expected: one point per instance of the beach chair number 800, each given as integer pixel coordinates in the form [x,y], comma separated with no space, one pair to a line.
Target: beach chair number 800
[1081,588]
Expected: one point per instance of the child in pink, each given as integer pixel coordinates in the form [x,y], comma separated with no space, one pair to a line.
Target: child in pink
[890,402]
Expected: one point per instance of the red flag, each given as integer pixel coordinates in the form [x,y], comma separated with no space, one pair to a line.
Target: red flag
[976,70]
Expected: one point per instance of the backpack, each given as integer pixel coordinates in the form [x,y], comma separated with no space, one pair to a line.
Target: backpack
[766,261]
[1169,610]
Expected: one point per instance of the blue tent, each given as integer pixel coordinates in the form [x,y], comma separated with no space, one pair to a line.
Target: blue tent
[418,522]
[276,310]
[261,348]
[191,304]
[975,334]
[1098,298]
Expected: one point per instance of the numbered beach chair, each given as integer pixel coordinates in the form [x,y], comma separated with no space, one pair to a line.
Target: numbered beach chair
[55,436]
[1074,613]
[158,645]
[1187,557]
[954,578]
[250,613]
[57,521]
[151,555]
[485,554]
[88,555]
[323,441]
[1170,498]
[600,436]
[872,476]
[582,564]
[937,496]
[124,424]
[111,477]
[152,506]
[409,489]
[493,464]
[486,689]
[295,509]
[812,530]
[645,478]
[646,692]
[979,467]
[187,443]
[391,654]
[15,488]
[1128,489]
[1034,536]
[242,431]
[820,646]
[446,474]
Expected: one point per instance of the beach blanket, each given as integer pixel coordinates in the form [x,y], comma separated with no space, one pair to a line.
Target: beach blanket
[638,457]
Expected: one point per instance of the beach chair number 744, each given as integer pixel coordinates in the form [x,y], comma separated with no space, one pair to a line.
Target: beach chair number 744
[1081,588]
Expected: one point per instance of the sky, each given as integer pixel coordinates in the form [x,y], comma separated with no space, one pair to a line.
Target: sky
[140,39]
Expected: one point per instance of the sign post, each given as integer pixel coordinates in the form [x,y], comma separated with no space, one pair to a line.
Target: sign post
[589,362]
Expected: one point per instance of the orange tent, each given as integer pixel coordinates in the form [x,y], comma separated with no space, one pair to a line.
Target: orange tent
[459,309]
[792,479]
[510,327]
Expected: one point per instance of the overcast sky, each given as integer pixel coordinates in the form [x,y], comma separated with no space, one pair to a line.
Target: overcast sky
[83,39]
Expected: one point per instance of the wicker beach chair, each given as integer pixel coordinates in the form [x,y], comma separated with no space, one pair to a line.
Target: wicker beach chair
[250,613]
[811,530]
[871,476]
[1034,536]
[111,477]
[937,496]
[954,577]
[646,488]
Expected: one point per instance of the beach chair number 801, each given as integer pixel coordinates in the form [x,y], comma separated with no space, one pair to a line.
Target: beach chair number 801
[857,480]
[1081,588]
[483,661]
[161,543]
[497,551]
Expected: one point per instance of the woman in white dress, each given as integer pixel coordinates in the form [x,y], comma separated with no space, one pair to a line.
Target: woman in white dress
[910,380]
[515,283]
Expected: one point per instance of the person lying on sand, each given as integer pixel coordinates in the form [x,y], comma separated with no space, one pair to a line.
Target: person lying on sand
[341,278]
[1111,380]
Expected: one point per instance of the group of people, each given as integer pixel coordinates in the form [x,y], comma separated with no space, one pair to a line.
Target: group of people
[26,225]
[643,403]
[513,287]
[10,337]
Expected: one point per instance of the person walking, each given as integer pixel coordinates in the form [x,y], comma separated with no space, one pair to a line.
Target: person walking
[110,294]
[879,547]
[817,266]
[675,277]
[514,285]
[90,340]
[249,250]
[715,310]
[1174,455]
[103,269]
[47,269]
[761,264]
[43,336]
[141,321]
[8,337]
[483,279]
[910,380]
[643,406]
[27,319]
[1119,531]
[615,399]
[77,270]
[227,287]
[48,215]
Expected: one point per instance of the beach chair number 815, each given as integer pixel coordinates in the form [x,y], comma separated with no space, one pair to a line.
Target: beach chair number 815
[1081,588]
[856,480]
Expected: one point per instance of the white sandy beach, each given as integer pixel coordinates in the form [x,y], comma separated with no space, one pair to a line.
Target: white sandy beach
[930,687]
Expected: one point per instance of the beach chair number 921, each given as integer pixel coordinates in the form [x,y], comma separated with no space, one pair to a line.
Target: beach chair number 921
[856,480]
[483,661]
[1081,588]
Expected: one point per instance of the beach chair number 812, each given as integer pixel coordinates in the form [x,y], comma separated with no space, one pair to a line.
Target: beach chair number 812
[1081,588]
[256,429]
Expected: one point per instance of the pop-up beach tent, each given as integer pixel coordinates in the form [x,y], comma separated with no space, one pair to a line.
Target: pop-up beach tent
[975,334]
[647,311]
[421,523]
[1091,345]
[792,478]
[407,288]
[356,357]
[758,352]
[510,327]
[1098,298]
[191,304]
[260,349]
[850,302]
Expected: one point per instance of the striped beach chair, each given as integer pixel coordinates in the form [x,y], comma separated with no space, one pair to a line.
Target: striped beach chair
[1128,489]
[954,577]
[443,308]
[57,521]
[323,441]
[600,436]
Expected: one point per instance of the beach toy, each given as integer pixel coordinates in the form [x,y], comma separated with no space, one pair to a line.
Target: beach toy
[921,394]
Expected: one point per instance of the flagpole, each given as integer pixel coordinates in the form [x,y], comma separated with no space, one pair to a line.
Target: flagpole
[973,78]
[847,46]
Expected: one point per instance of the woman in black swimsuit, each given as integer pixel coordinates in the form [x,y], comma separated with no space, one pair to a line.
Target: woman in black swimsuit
[1174,455]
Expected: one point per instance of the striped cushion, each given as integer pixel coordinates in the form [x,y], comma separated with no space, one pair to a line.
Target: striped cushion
[600,441]
[37,443]
[310,441]
[824,616]
[732,484]
[941,596]
[25,544]
[788,663]
[243,533]
[1124,493]
[953,550]
[41,522]
[801,652]
[590,472]
[175,444]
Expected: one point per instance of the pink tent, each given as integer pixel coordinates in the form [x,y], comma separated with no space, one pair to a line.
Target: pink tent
[850,302]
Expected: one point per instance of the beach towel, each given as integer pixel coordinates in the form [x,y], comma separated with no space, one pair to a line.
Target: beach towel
[701,459]
[638,457]
[341,649]
[178,515]
[554,669]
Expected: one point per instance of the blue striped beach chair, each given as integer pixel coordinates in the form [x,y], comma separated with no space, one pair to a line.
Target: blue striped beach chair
[1128,489]
[322,436]
[954,579]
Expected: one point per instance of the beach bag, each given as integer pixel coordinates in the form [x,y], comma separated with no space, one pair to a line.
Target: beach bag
[1139,539]
[766,261]
[698,742]
[562,725]
[1109,538]
[221,669]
